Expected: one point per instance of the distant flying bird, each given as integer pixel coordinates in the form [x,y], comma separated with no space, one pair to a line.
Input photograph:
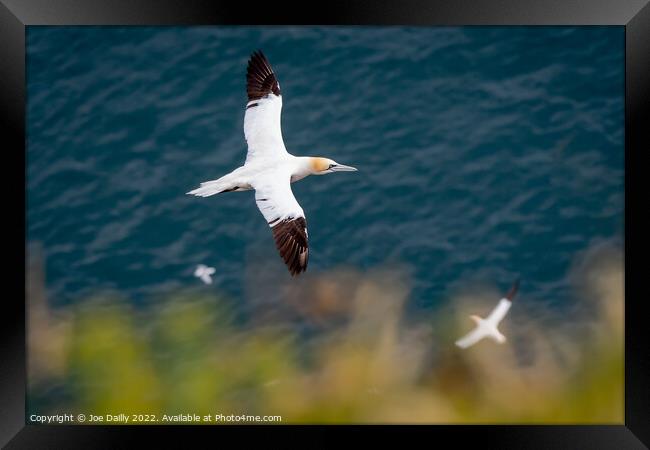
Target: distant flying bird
[488,327]
[204,273]
[269,169]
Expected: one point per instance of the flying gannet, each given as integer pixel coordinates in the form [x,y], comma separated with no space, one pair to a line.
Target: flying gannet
[269,169]
[488,327]
[204,273]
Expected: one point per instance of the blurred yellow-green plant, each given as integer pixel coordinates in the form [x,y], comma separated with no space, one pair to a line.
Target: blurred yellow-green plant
[361,360]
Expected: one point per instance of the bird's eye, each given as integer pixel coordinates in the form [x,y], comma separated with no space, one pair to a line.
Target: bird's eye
[331,165]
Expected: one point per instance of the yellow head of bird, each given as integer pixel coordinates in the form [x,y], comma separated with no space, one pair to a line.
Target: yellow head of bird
[321,166]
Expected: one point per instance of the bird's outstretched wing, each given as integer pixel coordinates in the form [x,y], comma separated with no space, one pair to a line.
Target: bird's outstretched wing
[499,312]
[504,305]
[471,338]
[286,218]
[263,109]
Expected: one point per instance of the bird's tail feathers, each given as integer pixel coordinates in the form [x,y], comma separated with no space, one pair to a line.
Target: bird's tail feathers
[212,187]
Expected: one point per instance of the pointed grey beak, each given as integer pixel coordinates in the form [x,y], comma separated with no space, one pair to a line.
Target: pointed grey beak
[342,168]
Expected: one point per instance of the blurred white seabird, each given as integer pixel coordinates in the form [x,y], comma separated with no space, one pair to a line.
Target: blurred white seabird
[488,327]
[204,273]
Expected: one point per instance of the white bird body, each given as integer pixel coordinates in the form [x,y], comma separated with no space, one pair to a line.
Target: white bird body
[204,273]
[244,178]
[488,327]
[269,169]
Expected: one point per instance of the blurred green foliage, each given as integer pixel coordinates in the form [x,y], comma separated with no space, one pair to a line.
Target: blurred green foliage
[365,363]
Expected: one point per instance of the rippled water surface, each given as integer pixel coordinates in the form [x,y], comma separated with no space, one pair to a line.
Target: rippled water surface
[483,153]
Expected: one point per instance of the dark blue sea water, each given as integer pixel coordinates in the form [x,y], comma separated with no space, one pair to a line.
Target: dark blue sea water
[483,153]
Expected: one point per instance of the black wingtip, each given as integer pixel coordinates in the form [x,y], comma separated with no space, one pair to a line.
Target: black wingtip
[260,78]
[257,54]
[290,237]
[513,290]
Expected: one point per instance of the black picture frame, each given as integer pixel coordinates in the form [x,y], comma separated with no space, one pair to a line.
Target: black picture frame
[16,15]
